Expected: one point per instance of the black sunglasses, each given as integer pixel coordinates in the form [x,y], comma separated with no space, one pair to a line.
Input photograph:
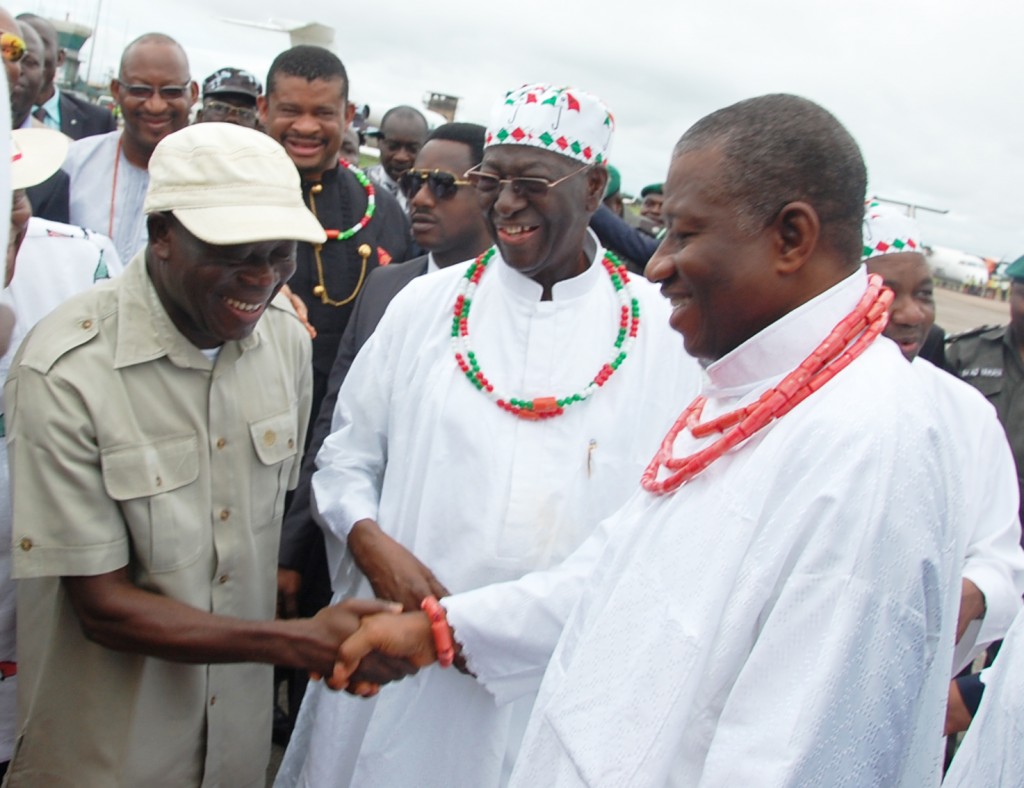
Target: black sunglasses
[443,185]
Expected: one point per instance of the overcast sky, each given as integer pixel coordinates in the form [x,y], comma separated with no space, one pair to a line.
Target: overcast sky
[931,90]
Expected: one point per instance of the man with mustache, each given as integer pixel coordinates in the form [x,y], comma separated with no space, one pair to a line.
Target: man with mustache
[109,172]
[306,109]
[501,408]
[154,426]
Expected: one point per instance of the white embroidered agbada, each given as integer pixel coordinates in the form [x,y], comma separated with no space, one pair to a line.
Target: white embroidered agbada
[784,619]
[992,752]
[476,494]
[993,559]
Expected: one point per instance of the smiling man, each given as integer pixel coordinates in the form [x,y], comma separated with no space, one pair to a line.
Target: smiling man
[453,467]
[154,427]
[306,109]
[402,133]
[738,621]
[109,172]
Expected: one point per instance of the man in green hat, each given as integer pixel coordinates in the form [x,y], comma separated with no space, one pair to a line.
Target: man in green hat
[991,358]
[650,207]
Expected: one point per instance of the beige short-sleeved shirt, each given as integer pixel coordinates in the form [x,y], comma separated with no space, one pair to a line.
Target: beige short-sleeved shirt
[129,447]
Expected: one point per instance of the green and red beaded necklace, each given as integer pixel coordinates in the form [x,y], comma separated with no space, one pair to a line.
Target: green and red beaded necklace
[628,315]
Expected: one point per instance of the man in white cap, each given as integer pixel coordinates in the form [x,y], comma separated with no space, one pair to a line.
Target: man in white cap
[502,407]
[154,426]
[993,562]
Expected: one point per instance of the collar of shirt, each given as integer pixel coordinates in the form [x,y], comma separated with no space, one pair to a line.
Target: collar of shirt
[779,348]
[145,331]
[431,265]
[52,107]
[525,288]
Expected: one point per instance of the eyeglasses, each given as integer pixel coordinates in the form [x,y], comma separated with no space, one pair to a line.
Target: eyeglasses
[12,46]
[142,92]
[443,185]
[221,109]
[489,185]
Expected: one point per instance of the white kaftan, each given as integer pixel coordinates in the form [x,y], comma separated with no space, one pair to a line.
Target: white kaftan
[476,494]
[784,619]
[105,197]
[992,752]
[993,559]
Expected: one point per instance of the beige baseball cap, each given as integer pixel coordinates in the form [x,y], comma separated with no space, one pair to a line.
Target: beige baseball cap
[229,185]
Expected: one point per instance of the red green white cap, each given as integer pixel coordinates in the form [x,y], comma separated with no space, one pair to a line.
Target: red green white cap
[564,120]
[888,230]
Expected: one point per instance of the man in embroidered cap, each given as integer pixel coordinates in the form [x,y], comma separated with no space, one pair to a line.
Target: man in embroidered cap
[993,570]
[154,427]
[740,619]
[488,424]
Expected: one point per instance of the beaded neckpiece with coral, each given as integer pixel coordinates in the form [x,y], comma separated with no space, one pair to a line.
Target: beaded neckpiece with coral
[627,315]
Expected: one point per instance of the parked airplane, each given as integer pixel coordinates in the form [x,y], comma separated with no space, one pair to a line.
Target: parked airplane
[952,265]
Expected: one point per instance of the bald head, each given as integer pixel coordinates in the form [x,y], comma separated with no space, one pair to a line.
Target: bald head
[146,43]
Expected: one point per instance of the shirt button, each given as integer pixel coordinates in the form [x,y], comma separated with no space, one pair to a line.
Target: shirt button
[221,443]
[25,544]
[159,482]
[269,438]
[222,579]
[213,700]
[86,324]
[224,514]
[291,443]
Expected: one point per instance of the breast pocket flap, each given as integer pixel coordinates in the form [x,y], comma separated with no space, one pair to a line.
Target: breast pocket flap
[150,469]
[275,438]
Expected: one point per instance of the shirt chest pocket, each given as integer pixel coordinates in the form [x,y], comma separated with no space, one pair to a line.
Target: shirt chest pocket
[275,440]
[155,484]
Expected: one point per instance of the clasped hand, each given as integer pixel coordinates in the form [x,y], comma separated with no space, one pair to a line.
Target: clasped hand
[389,638]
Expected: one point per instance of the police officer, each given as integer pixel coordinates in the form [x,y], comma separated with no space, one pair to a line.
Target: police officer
[990,359]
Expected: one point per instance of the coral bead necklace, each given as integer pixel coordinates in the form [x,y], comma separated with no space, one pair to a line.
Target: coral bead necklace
[851,337]
[628,316]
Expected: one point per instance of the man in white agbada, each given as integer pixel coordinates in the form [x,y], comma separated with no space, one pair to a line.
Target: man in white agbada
[744,627]
[427,469]
[993,566]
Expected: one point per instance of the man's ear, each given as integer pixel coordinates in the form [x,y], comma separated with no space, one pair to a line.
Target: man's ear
[597,182]
[261,107]
[159,227]
[797,229]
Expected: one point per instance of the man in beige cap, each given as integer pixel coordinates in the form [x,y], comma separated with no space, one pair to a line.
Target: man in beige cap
[154,426]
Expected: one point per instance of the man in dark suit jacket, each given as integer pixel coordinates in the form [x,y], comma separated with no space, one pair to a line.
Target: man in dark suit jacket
[74,116]
[447,221]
